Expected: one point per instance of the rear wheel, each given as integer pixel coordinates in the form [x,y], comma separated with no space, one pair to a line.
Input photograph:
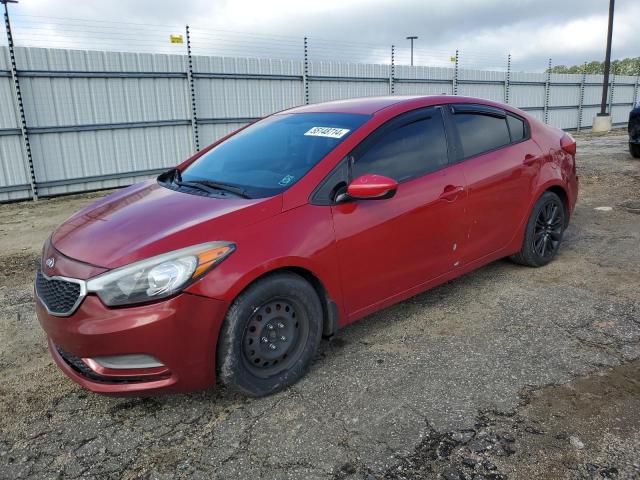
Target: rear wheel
[270,335]
[634,149]
[544,232]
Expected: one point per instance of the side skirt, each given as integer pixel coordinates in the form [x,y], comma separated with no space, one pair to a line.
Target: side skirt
[358,314]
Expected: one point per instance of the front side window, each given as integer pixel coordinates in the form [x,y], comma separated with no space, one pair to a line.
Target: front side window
[269,156]
[408,151]
[481,133]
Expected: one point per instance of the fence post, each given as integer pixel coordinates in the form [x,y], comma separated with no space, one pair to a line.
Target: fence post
[192,90]
[455,73]
[581,98]
[305,72]
[392,73]
[635,88]
[26,146]
[613,84]
[547,88]
[507,80]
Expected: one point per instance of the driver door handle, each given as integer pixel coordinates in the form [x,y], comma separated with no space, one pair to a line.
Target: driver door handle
[451,192]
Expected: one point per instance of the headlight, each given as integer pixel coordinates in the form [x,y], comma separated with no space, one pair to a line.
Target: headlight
[160,276]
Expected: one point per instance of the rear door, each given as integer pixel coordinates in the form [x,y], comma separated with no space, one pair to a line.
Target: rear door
[500,163]
[386,247]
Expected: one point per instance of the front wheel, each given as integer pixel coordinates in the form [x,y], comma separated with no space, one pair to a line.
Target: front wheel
[270,335]
[634,149]
[544,232]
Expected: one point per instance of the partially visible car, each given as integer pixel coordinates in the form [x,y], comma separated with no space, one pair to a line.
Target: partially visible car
[634,131]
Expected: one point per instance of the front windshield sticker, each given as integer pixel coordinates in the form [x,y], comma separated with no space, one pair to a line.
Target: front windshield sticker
[286,180]
[330,132]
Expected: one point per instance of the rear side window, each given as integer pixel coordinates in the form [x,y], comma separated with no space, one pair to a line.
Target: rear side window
[481,133]
[516,129]
[408,151]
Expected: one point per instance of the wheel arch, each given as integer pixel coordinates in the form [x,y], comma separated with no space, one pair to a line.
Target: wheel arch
[330,309]
[562,193]
[330,313]
[552,186]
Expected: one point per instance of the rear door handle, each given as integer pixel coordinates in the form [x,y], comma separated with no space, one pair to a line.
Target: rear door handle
[451,192]
[530,159]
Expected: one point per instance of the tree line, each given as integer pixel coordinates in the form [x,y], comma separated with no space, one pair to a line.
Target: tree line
[626,66]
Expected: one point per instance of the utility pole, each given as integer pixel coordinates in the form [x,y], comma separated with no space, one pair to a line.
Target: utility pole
[602,121]
[26,146]
[412,38]
[607,61]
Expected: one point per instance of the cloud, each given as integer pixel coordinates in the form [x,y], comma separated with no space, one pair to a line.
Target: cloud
[569,31]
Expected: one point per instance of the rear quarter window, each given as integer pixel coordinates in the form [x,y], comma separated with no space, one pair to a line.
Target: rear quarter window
[516,129]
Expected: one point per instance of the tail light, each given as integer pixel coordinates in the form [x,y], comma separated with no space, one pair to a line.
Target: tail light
[568,144]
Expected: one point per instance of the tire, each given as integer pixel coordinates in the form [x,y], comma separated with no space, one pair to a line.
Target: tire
[634,149]
[270,335]
[544,232]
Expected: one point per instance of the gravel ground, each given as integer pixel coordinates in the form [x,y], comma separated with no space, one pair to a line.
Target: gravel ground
[507,372]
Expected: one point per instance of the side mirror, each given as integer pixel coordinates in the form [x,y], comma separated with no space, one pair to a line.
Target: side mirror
[371,187]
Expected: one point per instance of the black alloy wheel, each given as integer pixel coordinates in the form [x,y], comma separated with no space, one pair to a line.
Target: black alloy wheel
[543,232]
[548,229]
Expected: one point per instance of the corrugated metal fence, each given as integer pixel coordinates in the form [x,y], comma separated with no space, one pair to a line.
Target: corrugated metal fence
[98,119]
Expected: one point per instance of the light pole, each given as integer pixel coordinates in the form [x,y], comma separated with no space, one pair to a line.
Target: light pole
[412,38]
[602,121]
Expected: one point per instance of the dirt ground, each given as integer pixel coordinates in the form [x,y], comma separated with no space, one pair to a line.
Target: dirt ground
[507,372]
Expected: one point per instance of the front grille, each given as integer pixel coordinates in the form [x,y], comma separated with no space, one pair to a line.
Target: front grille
[61,297]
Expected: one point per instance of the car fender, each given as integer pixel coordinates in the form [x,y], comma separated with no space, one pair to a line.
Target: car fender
[549,176]
[300,238]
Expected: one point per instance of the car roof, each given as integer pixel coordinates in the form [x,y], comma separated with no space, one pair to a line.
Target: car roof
[371,105]
[365,105]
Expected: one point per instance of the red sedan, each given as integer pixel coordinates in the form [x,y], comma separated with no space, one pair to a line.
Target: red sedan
[234,264]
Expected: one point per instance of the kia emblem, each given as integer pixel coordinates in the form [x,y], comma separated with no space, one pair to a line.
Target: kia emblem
[50,262]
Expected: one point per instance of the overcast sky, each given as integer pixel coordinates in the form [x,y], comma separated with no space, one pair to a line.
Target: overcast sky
[569,31]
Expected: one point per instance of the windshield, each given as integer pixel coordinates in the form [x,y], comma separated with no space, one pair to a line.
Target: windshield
[269,156]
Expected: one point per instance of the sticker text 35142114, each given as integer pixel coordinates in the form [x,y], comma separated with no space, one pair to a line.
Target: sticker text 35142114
[330,132]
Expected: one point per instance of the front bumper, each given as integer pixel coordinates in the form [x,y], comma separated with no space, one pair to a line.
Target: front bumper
[180,332]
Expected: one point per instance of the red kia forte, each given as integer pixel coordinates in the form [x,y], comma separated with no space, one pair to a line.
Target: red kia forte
[234,264]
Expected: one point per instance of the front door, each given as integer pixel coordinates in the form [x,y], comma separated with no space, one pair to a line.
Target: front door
[386,247]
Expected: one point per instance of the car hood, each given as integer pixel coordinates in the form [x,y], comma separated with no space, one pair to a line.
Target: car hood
[147,219]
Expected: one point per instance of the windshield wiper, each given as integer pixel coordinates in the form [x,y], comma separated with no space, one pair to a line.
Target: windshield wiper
[174,175]
[221,186]
[210,186]
[197,185]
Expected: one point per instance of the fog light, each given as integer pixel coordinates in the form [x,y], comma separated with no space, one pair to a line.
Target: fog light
[126,362]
